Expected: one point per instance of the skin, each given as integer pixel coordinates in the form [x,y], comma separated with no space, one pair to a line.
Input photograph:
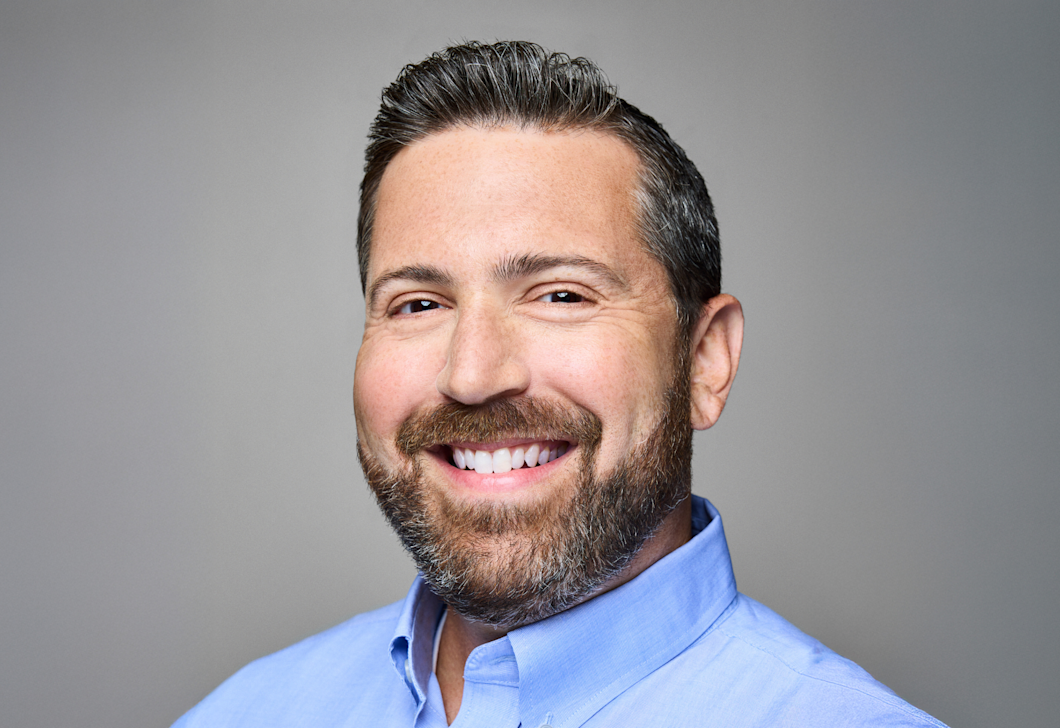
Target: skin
[451,319]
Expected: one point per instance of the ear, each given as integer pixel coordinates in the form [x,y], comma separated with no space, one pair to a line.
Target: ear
[716,342]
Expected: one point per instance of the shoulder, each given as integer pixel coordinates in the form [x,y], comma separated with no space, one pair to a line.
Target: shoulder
[753,668]
[329,671]
[798,679]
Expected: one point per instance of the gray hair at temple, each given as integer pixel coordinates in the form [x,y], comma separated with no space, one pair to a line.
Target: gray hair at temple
[521,84]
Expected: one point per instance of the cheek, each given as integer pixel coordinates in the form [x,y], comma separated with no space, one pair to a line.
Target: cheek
[390,383]
[620,380]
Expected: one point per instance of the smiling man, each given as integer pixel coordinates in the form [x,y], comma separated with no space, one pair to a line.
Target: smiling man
[544,330]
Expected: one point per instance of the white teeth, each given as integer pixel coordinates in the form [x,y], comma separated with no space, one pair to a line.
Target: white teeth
[505,460]
[502,460]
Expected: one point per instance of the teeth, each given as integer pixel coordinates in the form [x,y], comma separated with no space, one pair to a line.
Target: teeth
[531,455]
[505,460]
[502,461]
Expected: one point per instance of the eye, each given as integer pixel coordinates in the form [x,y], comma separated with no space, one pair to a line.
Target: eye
[562,297]
[418,306]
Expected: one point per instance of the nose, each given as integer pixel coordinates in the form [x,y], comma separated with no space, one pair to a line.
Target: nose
[483,361]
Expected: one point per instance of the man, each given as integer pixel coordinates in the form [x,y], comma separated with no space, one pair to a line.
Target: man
[544,329]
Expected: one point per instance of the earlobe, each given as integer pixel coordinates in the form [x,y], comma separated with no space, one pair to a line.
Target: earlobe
[716,342]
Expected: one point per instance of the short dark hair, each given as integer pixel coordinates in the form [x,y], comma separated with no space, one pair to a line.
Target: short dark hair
[517,83]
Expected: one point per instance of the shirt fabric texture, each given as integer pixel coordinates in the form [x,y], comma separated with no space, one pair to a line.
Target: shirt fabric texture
[675,646]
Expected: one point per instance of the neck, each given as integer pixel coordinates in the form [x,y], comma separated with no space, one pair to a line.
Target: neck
[460,636]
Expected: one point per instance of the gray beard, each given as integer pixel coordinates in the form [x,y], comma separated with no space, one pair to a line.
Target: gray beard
[506,565]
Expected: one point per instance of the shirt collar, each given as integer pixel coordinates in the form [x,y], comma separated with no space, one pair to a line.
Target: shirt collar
[573,663]
[576,661]
[412,648]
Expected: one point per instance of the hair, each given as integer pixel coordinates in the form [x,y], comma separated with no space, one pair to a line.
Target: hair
[520,84]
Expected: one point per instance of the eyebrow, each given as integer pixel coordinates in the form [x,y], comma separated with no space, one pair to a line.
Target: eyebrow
[515,267]
[415,273]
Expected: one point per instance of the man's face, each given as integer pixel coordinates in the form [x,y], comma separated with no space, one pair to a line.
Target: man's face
[512,310]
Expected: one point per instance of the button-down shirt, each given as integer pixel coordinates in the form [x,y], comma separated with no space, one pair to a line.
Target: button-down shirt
[675,646]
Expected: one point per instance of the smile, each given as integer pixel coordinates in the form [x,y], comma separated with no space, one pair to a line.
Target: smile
[506,459]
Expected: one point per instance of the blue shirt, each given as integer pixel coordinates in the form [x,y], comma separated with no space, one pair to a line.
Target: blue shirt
[675,646]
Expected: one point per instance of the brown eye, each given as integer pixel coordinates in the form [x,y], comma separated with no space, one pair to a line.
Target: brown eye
[418,306]
[562,297]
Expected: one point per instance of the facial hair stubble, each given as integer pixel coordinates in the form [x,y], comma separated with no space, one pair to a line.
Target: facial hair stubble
[509,565]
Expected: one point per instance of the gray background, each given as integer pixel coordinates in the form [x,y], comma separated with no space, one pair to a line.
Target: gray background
[179,317]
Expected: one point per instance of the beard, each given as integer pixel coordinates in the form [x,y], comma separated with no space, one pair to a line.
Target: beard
[506,564]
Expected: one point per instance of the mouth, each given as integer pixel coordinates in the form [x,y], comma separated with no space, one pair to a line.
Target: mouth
[486,458]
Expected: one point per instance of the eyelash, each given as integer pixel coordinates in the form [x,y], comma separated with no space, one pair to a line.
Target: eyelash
[422,305]
[426,303]
[577,297]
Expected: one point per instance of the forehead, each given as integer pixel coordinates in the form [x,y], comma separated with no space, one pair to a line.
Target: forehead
[501,192]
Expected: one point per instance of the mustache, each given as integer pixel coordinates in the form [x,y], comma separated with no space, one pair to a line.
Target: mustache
[498,420]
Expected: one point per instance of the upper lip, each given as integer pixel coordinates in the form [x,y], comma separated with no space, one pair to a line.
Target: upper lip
[510,443]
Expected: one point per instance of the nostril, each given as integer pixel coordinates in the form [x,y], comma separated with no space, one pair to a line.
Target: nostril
[481,364]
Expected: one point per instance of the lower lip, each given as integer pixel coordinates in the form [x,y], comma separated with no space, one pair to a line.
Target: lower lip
[489,483]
